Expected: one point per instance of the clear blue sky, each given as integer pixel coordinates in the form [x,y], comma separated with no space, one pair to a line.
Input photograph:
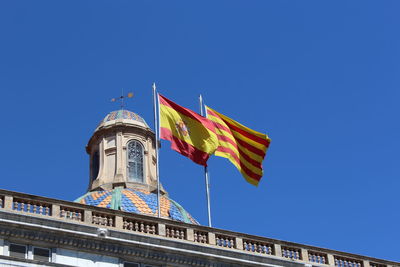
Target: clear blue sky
[320,77]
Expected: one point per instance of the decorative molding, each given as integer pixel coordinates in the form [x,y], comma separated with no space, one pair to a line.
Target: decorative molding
[102,247]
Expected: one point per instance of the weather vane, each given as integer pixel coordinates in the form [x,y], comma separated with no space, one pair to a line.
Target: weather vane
[121,98]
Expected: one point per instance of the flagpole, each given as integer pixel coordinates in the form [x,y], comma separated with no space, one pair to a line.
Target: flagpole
[157,139]
[206,173]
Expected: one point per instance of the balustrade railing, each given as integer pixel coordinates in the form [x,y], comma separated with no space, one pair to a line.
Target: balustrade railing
[259,247]
[139,226]
[225,241]
[346,262]
[317,257]
[175,232]
[201,237]
[71,213]
[291,253]
[102,217]
[31,206]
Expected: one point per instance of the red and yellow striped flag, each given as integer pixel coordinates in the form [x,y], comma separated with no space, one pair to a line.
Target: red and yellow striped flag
[190,134]
[244,147]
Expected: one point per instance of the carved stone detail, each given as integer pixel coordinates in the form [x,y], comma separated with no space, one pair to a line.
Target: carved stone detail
[101,247]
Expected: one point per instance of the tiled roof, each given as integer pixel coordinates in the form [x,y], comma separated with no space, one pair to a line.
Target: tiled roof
[123,114]
[137,201]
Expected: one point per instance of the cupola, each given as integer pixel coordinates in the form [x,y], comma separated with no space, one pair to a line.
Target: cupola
[122,153]
[123,169]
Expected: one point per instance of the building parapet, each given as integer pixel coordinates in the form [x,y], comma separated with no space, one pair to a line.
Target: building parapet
[125,222]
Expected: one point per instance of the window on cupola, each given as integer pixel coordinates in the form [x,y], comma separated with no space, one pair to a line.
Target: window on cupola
[95,165]
[135,161]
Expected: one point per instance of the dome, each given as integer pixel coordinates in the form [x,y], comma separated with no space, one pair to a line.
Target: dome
[124,116]
[137,201]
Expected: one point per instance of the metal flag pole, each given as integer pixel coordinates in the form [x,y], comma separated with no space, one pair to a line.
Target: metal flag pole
[157,140]
[206,172]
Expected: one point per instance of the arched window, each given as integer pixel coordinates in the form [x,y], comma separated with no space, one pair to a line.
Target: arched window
[135,162]
[95,165]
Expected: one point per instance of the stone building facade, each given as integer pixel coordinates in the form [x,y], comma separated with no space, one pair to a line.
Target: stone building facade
[116,222]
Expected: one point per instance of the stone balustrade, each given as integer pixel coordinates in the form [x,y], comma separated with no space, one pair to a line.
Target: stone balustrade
[291,253]
[175,232]
[225,241]
[347,262]
[181,232]
[31,206]
[71,213]
[103,219]
[139,226]
[257,247]
[317,257]
[201,237]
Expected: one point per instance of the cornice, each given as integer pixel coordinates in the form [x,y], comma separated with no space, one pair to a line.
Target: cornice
[138,248]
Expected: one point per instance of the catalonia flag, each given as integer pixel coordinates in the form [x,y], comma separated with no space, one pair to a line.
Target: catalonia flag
[190,134]
[244,147]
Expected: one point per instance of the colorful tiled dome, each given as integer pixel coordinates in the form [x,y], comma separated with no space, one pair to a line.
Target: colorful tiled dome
[123,115]
[137,201]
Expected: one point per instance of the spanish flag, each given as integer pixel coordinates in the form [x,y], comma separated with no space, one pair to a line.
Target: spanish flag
[244,147]
[190,134]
